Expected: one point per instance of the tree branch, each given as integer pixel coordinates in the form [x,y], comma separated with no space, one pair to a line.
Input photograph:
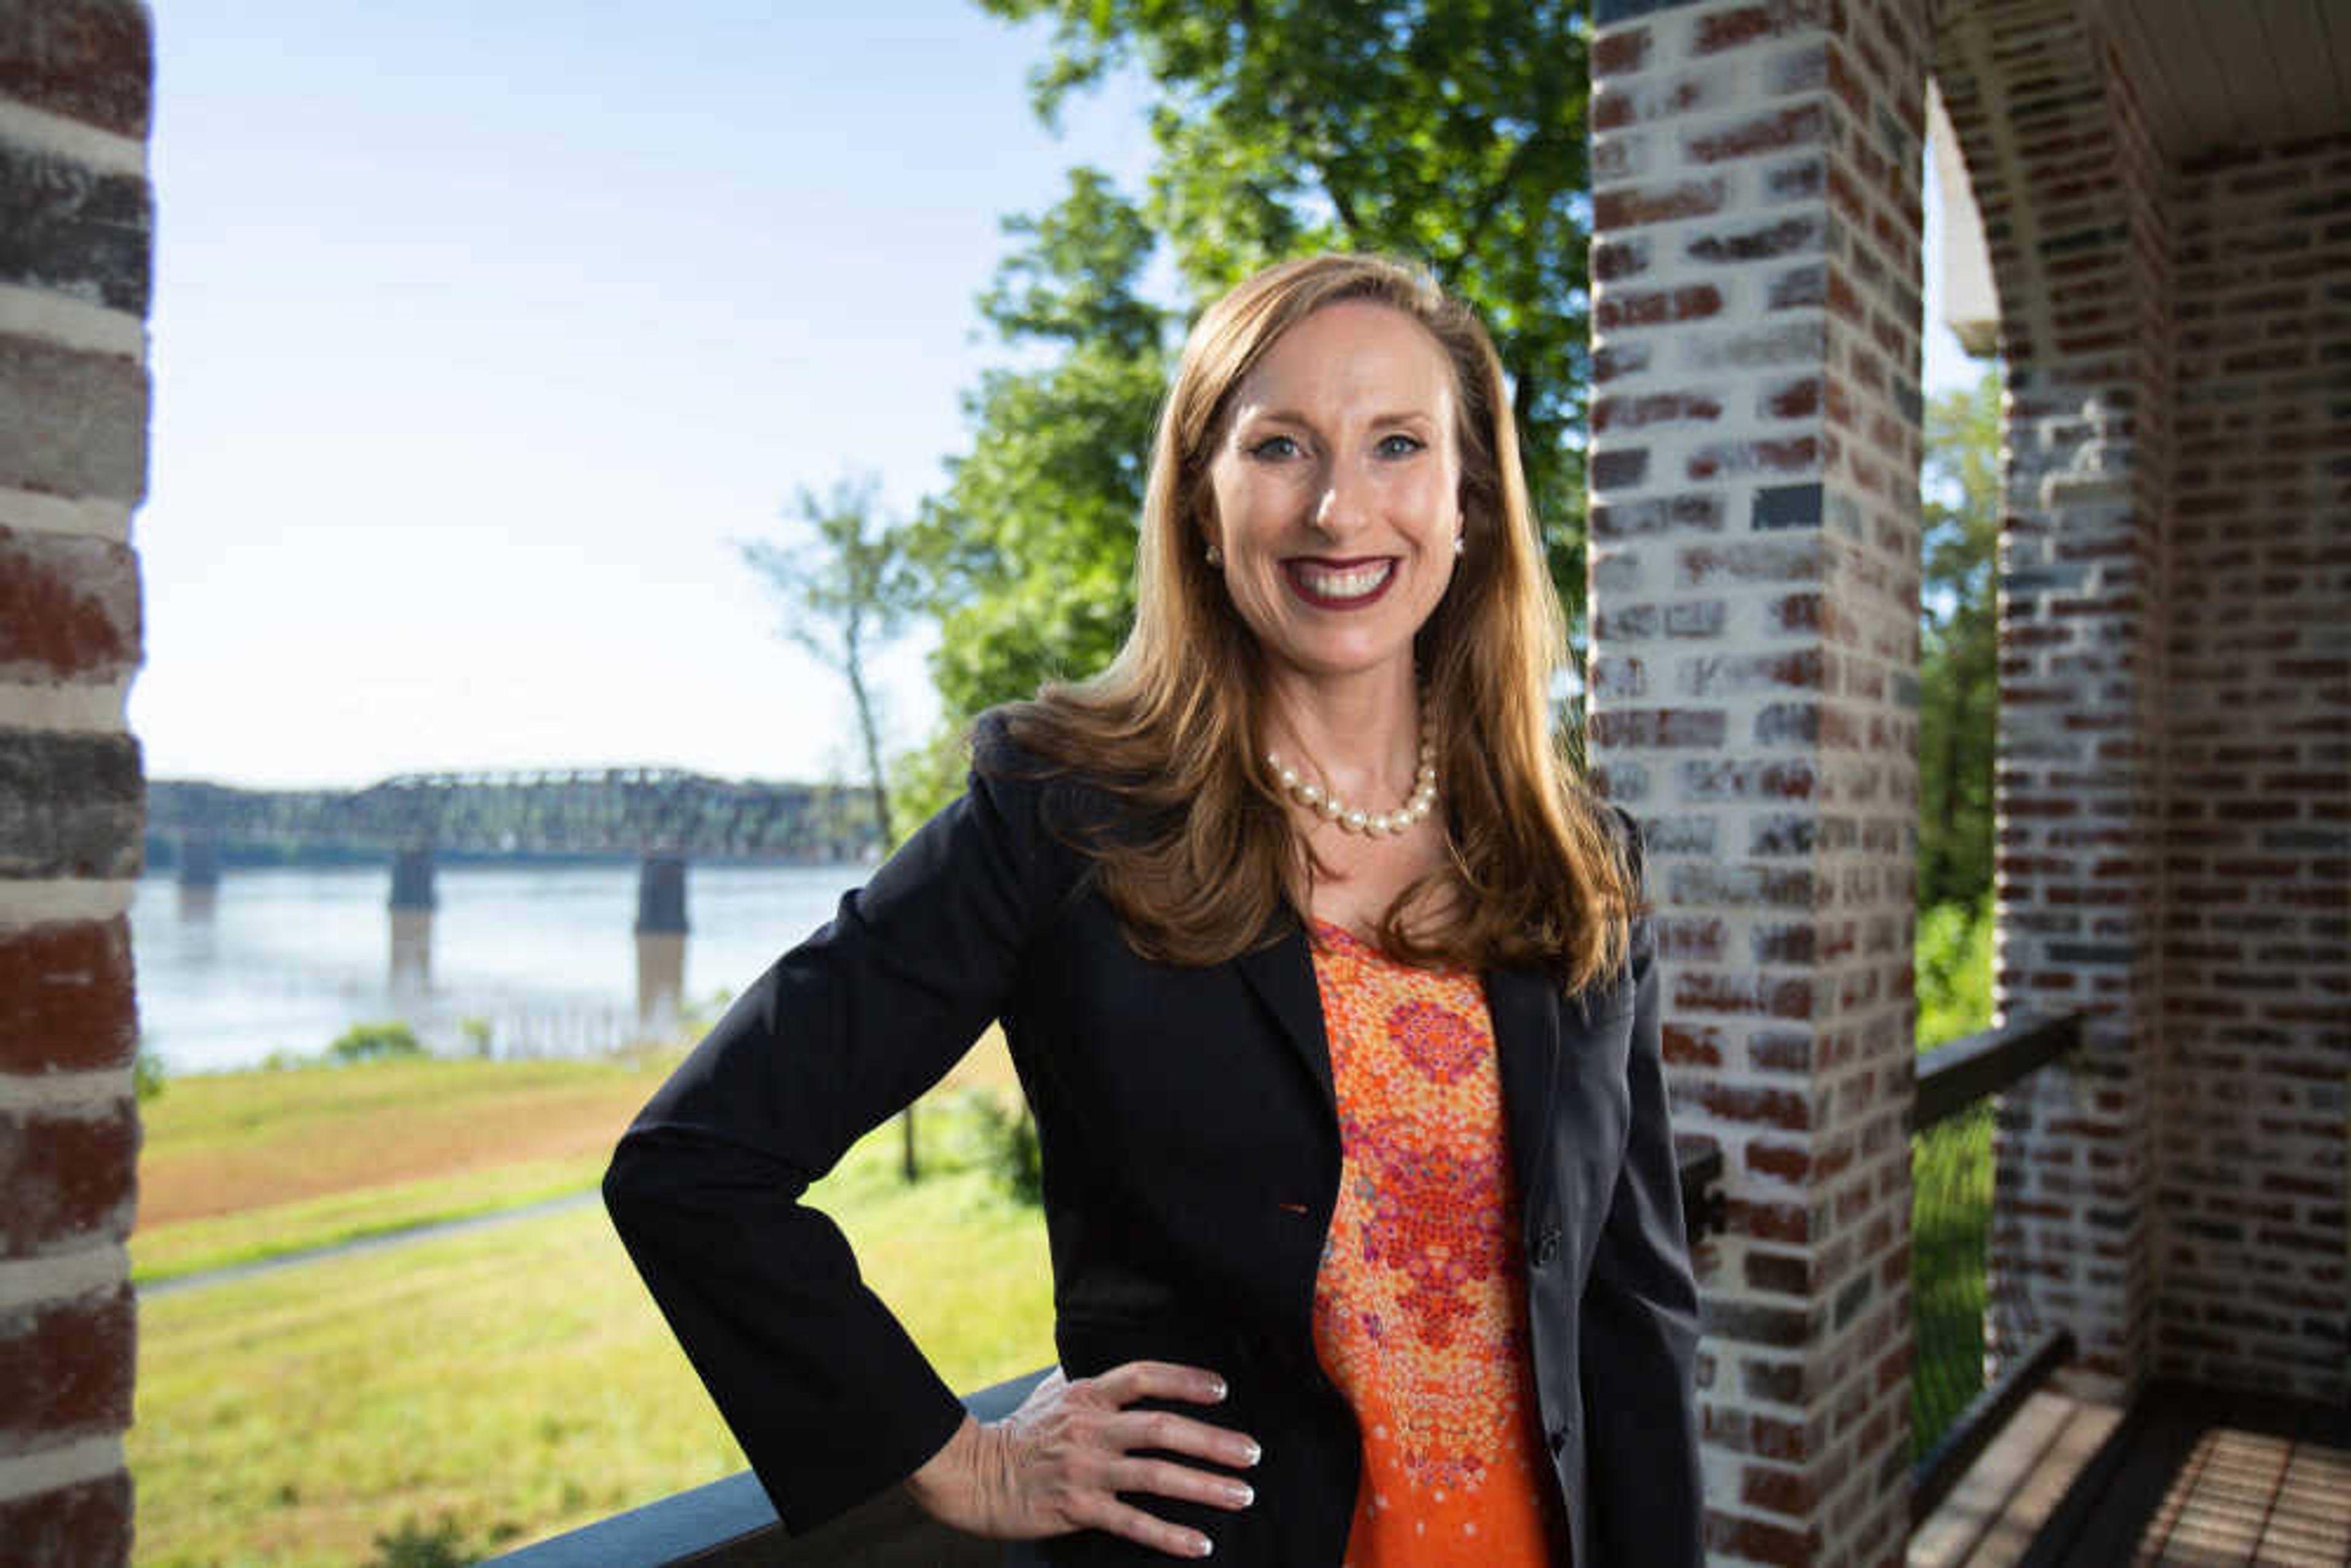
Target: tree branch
[1341,204]
[1473,233]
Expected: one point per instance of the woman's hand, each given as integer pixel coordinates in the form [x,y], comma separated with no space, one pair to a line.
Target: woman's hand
[1055,1464]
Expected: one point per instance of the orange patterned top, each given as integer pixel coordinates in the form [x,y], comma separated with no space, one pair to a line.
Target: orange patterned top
[1420,1316]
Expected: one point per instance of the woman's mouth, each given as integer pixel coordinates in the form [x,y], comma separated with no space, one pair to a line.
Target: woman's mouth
[1339,584]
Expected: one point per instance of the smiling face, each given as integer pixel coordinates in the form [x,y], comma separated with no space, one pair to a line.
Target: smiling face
[1337,484]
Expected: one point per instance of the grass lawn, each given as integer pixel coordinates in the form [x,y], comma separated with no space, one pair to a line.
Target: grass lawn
[240,1167]
[516,1381]
[1950,1224]
[194,1246]
[236,1141]
[1951,1183]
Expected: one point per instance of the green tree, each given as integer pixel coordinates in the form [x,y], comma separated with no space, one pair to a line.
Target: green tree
[1958,682]
[1448,132]
[847,588]
[1029,551]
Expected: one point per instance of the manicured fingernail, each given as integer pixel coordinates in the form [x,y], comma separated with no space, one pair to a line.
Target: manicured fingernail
[1253,1456]
[1216,1393]
[1242,1496]
[1205,1547]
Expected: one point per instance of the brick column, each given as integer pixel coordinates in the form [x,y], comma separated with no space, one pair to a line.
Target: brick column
[74,225]
[2067,182]
[1755,596]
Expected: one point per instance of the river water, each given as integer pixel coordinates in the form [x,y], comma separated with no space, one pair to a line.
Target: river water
[288,957]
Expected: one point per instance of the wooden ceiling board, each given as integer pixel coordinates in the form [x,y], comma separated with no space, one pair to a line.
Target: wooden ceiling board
[2151,70]
[2339,29]
[2218,83]
[2242,73]
[2300,60]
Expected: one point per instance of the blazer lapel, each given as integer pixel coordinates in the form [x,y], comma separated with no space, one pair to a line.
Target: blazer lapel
[1281,973]
[1524,1005]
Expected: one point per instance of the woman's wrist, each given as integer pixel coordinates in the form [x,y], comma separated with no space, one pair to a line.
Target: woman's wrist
[948,1486]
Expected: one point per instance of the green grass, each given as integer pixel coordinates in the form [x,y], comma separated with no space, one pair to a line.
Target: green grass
[231,1143]
[1951,1176]
[243,1167]
[212,1109]
[276,1231]
[1951,1226]
[516,1379]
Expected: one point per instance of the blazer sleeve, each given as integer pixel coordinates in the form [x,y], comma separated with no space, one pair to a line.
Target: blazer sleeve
[1640,1325]
[829,1399]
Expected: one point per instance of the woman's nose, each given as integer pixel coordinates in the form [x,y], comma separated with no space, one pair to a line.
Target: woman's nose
[1341,508]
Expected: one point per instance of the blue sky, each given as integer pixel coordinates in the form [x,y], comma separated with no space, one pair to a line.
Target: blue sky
[482,332]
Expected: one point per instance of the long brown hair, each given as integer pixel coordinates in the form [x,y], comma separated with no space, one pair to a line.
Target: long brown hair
[1207,864]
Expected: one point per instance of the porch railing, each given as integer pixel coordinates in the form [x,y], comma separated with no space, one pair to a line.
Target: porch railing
[1976,1347]
[730,1522]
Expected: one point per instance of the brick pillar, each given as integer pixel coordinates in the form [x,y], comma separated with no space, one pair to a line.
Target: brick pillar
[75,228]
[2067,182]
[1755,594]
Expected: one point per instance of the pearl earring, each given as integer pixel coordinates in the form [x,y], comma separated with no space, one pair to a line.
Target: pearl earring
[1216,557]
[1460,544]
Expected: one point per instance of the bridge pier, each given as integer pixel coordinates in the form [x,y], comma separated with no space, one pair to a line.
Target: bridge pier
[412,919]
[200,875]
[660,939]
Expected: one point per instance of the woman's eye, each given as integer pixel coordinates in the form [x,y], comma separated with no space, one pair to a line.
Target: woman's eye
[1399,446]
[1274,447]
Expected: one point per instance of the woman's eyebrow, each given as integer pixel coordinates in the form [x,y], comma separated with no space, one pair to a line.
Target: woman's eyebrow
[1292,416]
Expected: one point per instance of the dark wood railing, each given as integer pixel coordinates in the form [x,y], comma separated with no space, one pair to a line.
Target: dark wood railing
[730,1522]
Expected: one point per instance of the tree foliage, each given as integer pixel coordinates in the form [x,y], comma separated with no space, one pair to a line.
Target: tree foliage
[1447,131]
[847,587]
[1959,680]
[375,1043]
[1029,551]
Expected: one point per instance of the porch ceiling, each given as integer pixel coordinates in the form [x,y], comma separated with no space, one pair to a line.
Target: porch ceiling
[2214,74]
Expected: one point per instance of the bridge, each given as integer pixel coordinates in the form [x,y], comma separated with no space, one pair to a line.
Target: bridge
[608,811]
[666,816]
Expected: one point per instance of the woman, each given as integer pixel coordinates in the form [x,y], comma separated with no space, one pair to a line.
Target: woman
[1323,980]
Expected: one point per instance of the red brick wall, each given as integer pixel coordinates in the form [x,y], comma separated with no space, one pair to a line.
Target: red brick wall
[2256,950]
[75,234]
[1754,543]
[2069,189]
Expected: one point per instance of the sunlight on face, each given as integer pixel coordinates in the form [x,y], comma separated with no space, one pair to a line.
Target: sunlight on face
[1337,488]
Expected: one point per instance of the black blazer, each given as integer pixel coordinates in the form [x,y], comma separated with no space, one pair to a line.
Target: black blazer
[1191,1164]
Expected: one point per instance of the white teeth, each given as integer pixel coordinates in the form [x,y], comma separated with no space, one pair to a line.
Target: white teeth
[1349,584]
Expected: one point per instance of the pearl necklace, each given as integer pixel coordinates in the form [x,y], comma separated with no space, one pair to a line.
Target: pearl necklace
[1356,820]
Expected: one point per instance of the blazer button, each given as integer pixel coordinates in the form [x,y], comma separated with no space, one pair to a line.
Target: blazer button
[1547,1247]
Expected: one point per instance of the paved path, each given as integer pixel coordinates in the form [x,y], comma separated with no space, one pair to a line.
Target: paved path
[366,1244]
